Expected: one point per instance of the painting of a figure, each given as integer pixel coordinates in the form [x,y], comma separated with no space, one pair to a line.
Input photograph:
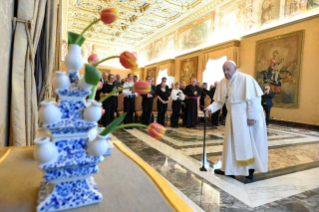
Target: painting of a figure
[278,63]
[270,10]
[188,69]
[152,73]
[195,36]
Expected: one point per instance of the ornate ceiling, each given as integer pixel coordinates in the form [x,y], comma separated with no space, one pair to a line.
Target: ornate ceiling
[139,20]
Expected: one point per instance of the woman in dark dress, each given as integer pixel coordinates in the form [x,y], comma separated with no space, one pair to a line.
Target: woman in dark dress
[162,100]
[110,104]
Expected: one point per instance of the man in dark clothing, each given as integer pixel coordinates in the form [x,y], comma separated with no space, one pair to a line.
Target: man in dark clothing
[147,103]
[215,116]
[204,93]
[266,102]
[192,92]
[104,82]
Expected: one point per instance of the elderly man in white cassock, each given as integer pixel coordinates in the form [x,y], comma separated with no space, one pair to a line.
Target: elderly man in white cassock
[245,148]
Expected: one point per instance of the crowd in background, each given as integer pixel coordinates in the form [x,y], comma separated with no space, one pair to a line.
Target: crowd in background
[184,101]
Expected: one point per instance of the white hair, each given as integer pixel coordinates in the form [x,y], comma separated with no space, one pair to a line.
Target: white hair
[232,62]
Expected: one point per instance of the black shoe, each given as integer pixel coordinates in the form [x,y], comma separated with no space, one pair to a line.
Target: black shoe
[251,174]
[218,171]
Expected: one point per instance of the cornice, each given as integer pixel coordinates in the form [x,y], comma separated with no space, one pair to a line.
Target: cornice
[280,26]
[151,65]
[165,62]
[190,53]
[224,45]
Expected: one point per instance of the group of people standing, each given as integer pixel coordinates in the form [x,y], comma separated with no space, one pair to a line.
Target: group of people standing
[184,98]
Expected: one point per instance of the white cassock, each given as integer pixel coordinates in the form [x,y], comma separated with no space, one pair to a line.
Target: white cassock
[245,147]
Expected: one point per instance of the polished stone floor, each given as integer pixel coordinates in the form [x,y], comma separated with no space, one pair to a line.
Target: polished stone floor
[292,183]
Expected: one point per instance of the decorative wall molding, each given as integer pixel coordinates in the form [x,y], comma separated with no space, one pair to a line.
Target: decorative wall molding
[232,43]
[165,62]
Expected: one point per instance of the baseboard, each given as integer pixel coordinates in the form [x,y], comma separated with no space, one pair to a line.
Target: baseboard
[295,124]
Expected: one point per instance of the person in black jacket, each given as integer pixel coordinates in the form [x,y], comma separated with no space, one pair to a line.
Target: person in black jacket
[109,104]
[159,85]
[147,103]
[266,102]
[203,94]
[162,100]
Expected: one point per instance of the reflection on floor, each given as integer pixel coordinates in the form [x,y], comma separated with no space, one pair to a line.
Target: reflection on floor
[290,151]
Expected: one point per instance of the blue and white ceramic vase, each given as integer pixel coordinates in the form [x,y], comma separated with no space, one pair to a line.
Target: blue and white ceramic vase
[68,181]
[98,146]
[74,62]
[44,151]
[61,80]
[49,113]
[93,112]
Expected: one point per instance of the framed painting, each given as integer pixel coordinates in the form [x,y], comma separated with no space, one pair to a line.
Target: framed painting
[152,73]
[278,65]
[188,69]
[195,35]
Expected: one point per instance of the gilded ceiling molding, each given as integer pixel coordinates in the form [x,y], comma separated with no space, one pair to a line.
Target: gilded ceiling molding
[224,45]
[203,10]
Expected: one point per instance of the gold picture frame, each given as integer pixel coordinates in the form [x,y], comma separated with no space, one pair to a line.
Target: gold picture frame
[188,69]
[278,65]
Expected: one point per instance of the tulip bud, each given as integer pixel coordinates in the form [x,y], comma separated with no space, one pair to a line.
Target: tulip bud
[156,130]
[128,60]
[103,111]
[99,86]
[109,15]
[93,59]
[142,87]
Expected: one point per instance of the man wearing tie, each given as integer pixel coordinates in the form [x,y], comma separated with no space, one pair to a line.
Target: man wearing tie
[129,100]
[266,101]
[147,103]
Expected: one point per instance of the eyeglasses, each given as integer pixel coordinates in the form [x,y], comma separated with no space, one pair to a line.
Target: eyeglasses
[111,78]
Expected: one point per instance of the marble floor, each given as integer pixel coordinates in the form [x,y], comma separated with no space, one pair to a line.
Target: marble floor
[291,184]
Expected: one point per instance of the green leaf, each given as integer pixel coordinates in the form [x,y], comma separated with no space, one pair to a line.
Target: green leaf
[92,75]
[113,125]
[130,125]
[72,37]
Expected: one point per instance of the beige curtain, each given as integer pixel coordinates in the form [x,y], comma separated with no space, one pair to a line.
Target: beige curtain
[51,37]
[232,53]
[24,114]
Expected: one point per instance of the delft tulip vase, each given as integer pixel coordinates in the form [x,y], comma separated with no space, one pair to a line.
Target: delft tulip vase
[67,165]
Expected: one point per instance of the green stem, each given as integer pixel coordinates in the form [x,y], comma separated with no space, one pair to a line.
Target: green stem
[113,92]
[105,59]
[93,92]
[91,24]
[130,125]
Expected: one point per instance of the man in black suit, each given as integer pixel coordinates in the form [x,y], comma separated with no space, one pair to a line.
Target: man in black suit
[147,103]
[215,116]
[118,81]
[104,81]
[266,102]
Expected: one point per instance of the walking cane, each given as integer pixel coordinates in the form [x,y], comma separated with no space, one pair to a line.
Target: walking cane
[204,153]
